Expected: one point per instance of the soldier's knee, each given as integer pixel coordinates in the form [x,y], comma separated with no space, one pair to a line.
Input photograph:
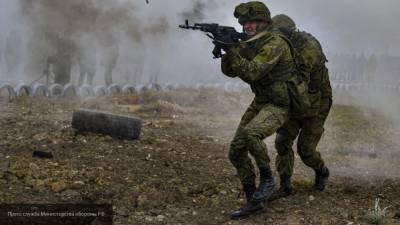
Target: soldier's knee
[280,141]
[250,135]
[305,150]
[282,144]
[307,144]
[235,157]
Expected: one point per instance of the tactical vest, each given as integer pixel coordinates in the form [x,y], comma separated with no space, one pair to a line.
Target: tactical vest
[283,87]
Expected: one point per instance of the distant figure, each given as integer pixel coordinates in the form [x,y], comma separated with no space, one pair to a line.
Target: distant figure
[308,127]
[87,61]
[61,60]
[110,56]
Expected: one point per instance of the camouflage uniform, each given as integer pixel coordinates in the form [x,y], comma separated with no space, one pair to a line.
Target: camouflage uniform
[309,126]
[265,64]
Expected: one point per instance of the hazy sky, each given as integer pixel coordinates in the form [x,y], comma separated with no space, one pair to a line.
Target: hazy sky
[350,26]
[341,25]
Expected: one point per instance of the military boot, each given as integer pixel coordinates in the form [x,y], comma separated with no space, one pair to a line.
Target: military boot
[321,177]
[251,207]
[266,186]
[284,190]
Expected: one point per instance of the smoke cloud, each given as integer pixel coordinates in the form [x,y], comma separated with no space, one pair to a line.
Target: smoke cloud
[150,42]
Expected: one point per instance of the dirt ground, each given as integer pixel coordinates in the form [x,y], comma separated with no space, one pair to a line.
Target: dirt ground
[178,171]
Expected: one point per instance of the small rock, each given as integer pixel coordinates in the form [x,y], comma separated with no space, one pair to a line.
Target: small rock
[58,186]
[194,213]
[69,194]
[78,184]
[148,157]
[182,213]
[311,198]
[160,218]
[223,192]
[149,219]
[33,167]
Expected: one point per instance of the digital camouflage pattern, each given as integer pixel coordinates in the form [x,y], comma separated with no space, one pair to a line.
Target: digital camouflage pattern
[309,131]
[309,127]
[266,64]
[251,11]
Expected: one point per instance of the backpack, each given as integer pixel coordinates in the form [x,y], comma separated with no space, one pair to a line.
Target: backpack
[297,85]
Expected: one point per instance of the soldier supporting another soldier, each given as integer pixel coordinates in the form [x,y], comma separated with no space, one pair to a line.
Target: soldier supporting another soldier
[309,127]
[265,62]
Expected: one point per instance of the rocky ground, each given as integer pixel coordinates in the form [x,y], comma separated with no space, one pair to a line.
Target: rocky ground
[178,171]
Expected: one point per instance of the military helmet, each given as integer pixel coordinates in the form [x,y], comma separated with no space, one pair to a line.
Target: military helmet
[253,10]
[284,21]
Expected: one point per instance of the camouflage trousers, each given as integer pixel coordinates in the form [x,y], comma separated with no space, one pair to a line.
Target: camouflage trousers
[310,131]
[260,121]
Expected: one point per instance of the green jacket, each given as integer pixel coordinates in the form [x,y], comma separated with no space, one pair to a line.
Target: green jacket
[265,62]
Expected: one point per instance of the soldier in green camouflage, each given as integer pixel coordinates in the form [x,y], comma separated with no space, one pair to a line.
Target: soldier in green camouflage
[309,126]
[265,62]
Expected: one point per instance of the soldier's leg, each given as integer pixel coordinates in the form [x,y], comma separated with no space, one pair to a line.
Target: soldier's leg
[285,159]
[238,155]
[108,78]
[90,75]
[283,144]
[310,135]
[309,138]
[68,70]
[60,75]
[266,123]
[82,72]
[64,74]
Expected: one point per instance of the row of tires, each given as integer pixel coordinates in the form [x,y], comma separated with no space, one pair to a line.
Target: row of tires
[57,90]
[358,87]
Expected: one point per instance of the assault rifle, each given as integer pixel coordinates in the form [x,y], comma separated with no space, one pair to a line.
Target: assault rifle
[223,37]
